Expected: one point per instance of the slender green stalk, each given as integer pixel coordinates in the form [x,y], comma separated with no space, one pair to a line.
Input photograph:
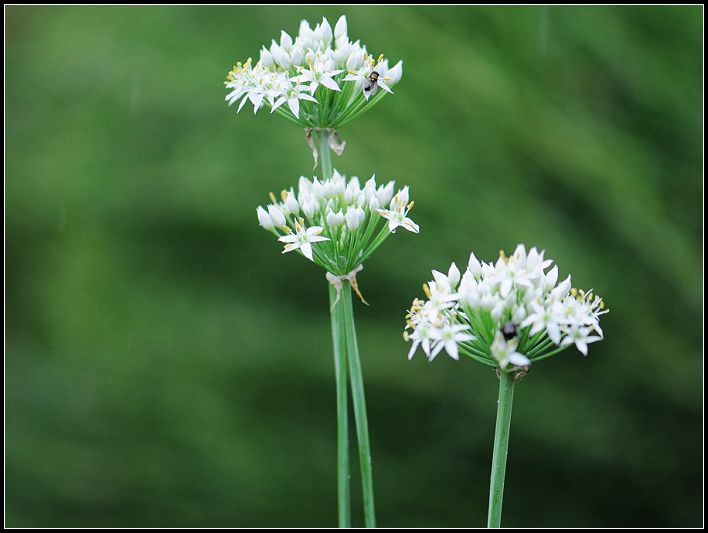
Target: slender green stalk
[325,156]
[501,448]
[362,425]
[339,341]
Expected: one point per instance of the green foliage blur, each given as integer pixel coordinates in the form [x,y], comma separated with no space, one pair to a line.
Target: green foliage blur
[167,366]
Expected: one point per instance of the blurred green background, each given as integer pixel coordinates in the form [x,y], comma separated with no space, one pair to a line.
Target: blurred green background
[167,366]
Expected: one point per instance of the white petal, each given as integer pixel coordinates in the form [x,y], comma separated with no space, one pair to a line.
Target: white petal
[451,349]
[414,347]
[410,225]
[243,102]
[384,86]
[519,360]
[329,83]
[307,250]
[280,101]
[294,105]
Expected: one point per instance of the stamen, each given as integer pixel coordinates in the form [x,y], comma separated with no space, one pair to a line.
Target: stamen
[426,290]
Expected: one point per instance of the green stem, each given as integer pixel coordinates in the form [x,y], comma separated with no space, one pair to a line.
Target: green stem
[339,341]
[325,156]
[501,447]
[362,425]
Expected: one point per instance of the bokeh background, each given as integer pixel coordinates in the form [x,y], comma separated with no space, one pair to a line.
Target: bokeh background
[167,366]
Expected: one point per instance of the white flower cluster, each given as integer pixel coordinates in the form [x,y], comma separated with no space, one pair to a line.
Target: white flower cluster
[509,313]
[347,221]
[320,79]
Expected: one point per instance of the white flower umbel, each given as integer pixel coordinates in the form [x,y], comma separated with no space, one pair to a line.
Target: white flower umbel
[326,79]
[506,314]
[336,222]
[514,308]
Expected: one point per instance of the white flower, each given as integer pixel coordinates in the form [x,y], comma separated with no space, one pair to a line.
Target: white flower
[544,318]
[504,351]
[397,215]
[371,75]
[447,337]
[292,96]
[303,239]
[321,71]
[580,336]
[398,218]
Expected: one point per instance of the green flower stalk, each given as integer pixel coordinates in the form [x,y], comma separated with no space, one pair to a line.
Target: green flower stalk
[506,315]
[321,81]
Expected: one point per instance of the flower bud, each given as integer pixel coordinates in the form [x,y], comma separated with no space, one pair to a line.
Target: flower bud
[309,208]
[356,59]
[453,275]
[297,55]
[340,29]
[286,42]
[266,58]
[353,219]
[264,219]
[552,277]
[474,266]
[395,73]
[291,204]
[277,215]
[304,185]
[384,193]
[326,31]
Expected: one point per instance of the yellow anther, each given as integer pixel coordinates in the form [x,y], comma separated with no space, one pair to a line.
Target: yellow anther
[298,227]
[405,336]
[426,290]
[574,291]
[502,254]
[380,58]
[286,229]
[387,78]
[272,197]
[410,205]
[284,194]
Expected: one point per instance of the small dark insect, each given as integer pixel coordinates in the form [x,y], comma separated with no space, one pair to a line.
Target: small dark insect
[370,84]
[509,330]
